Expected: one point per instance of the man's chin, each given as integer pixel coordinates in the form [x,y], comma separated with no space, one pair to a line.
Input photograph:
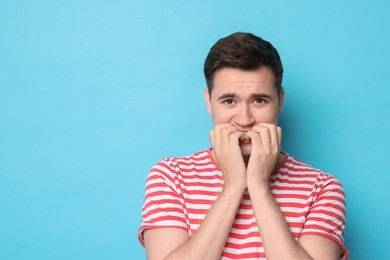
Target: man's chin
[246,149]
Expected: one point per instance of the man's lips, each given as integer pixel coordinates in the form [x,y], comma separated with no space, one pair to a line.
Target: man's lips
[244,138]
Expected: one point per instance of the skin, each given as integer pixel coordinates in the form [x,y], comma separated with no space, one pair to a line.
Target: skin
[246,140]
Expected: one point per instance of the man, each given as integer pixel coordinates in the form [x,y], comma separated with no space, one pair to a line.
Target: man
[244,198]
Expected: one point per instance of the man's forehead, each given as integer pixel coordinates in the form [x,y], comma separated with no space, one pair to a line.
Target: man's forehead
[237,90]
[232,77]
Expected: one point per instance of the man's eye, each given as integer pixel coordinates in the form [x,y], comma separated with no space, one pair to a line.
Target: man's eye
[228,101]
[260,101]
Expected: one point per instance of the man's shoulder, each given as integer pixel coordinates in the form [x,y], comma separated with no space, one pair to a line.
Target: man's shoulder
[198,159]
[199,156]
[198,165]
[295,170]
[298,163]
[293,166]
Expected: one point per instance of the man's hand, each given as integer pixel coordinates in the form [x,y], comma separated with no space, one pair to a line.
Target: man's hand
[227,152]
[266,142]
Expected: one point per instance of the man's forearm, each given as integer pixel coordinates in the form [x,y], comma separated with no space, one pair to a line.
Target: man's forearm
[276,236]
[209,240]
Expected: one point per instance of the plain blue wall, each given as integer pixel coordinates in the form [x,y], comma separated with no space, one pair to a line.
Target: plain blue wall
[93,93]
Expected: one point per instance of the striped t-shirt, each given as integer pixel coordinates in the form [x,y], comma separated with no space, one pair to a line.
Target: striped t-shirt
[180,191]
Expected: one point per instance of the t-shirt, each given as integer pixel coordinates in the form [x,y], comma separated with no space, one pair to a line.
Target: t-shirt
[180,191]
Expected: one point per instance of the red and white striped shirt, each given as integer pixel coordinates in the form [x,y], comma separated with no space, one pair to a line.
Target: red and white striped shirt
[180,191]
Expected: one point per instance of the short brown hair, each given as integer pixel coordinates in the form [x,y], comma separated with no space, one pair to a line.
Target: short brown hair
[244,51]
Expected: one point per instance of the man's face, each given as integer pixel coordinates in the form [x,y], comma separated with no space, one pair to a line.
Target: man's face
[244,99]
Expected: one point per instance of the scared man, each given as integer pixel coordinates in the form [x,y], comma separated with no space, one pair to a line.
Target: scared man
[243,198]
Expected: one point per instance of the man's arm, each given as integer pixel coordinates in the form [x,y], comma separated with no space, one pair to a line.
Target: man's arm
[277,239]
[209,240]
[207,243]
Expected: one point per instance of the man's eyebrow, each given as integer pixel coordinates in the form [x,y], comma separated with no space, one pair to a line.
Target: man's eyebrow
[232,95]
[261,95]
[227,96]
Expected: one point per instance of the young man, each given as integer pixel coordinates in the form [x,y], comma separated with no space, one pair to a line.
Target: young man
[243,198]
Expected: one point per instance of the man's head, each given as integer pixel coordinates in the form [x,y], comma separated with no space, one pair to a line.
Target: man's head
[244,76]
[243,51]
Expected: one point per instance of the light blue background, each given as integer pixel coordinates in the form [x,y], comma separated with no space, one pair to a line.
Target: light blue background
[93,93]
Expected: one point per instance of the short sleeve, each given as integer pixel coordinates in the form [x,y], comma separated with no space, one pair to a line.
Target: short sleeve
[163,204]
[327,215]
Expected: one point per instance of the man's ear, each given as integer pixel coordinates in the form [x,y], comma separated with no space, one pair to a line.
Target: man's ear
[207,100]
[281,99]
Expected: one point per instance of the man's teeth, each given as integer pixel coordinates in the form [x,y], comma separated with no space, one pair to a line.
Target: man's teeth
[244,137]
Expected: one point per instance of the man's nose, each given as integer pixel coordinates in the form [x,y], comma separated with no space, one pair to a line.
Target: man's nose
[244,118]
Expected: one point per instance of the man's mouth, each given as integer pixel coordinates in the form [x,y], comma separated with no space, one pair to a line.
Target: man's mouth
[244,138]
